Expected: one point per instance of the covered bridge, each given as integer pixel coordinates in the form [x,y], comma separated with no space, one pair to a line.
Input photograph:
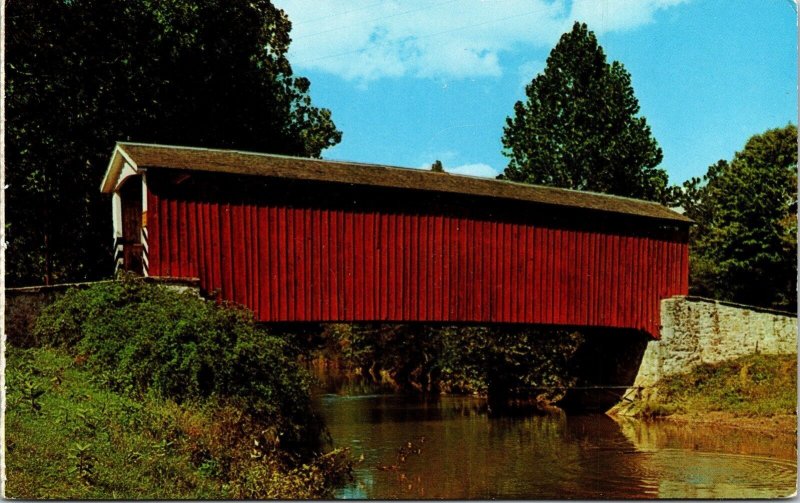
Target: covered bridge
[309,240]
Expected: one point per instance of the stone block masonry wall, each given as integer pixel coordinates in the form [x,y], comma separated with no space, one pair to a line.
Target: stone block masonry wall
[696,330]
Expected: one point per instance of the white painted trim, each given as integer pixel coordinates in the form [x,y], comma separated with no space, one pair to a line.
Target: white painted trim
[126,172]
[144,188]
[112,178]
[116,214]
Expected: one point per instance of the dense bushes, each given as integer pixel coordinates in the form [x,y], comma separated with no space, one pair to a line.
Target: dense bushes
[69,437]
[149,338]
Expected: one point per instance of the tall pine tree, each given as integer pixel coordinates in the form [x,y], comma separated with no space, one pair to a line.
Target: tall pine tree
[578,127]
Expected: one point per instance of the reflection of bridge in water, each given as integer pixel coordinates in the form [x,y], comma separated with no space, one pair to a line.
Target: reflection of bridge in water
[306,240]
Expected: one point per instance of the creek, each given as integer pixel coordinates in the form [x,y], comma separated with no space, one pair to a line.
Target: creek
[452,448]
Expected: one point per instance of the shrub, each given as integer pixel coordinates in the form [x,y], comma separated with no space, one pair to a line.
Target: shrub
[88,442]
[149,338]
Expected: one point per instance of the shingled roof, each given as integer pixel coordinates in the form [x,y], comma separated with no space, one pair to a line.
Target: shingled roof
[141,155]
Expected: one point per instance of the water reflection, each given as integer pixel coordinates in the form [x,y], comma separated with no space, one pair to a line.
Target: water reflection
[452,449]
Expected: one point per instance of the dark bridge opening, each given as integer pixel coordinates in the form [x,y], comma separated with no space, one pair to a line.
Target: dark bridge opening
[604,367]
[520,367]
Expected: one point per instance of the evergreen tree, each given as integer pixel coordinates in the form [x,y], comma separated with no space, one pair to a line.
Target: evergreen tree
[84,74]
[578,127]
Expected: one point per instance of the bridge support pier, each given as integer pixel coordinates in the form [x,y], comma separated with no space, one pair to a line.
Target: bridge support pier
[695,331]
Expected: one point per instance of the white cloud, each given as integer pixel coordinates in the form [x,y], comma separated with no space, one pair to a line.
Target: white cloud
[478,169]
[365,40]
[527,71]
[617,15]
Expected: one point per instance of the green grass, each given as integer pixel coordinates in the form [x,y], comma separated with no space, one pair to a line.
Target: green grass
[751,386]
[69,436]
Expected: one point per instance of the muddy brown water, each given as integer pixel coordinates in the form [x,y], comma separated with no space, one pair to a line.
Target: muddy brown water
[452,449]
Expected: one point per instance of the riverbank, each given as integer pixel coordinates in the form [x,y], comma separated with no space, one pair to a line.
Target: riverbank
[137,391]
[68,436]
[754,392]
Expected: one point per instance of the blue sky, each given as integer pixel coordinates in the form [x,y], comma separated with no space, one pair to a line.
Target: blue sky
[413,81]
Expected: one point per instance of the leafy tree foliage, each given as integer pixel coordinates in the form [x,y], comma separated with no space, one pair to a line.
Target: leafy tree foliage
[504,362]
[744,243]
[83,74]
[578,127]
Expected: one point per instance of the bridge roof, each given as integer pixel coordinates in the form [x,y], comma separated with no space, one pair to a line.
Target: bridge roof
[141,155]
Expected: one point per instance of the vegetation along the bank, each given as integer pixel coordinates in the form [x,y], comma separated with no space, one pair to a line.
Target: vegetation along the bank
[506,363]
[753,386]
[138,391]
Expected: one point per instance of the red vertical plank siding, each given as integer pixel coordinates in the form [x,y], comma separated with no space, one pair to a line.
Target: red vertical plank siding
[441,270]
[368,257]
[594,293]
[582,278]
[320,250]
[537,273]
[528,274]
[196,231]
[650,269]
[478,255]
[190,222]
[381,267]
[473,288]
[300,277]
[209,281]
[409,266]
[252,244]
[212,254]
[512,278]
[347,260]
[641,302]
[401,304]
[627,281]
[238,254]
[558,280]
[261,254]
[452,269]
[338,264]
[325,265]
[226,261]
[546,266]
[618,284]
[572,269]
[391,266]
[564,277]
[360,263]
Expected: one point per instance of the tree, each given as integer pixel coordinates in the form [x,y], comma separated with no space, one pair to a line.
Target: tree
[83,74]
[578,127]
[744,243]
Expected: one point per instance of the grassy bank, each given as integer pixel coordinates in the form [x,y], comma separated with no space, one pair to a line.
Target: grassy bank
[136,391]
[744,389]
[69,436]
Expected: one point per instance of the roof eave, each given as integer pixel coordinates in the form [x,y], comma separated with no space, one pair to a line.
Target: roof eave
[118,159]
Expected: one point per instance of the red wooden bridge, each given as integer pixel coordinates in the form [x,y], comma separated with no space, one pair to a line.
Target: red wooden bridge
[308,240]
